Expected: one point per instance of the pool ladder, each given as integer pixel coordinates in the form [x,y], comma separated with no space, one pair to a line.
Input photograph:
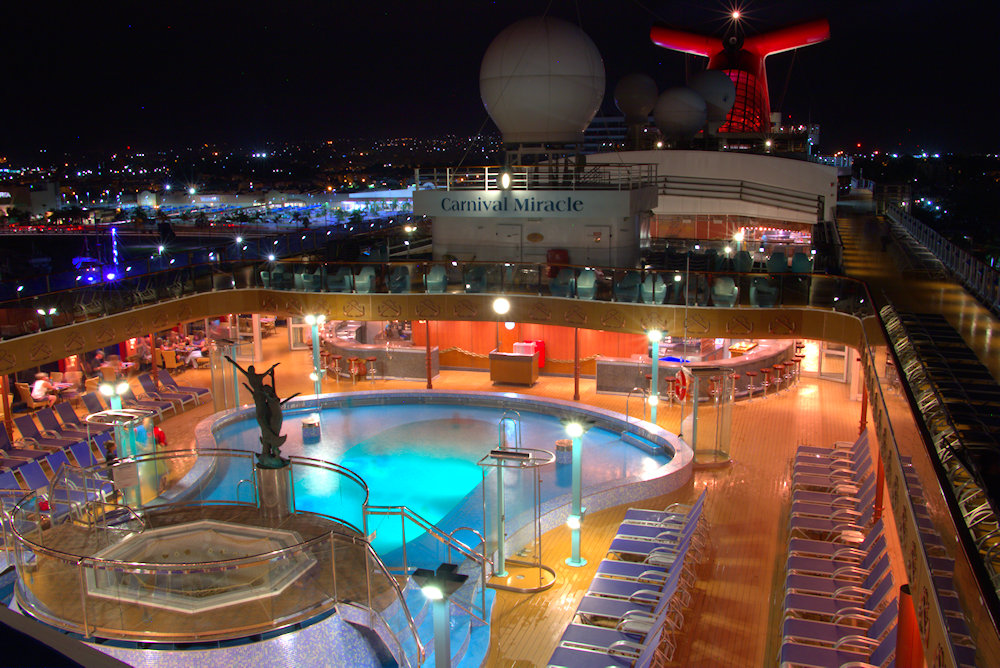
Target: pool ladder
[511,419]
[644,393]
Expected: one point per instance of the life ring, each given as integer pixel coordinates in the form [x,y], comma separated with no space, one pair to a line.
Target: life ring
[681,390]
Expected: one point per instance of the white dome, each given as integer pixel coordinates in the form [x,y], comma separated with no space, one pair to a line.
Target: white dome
[542,80]
[680,112]
[635,96]
[718,90]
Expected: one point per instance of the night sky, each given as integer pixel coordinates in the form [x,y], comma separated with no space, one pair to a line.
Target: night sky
[896,75]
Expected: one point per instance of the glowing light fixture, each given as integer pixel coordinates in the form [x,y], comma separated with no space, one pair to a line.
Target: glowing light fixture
[501,305]
[504,180]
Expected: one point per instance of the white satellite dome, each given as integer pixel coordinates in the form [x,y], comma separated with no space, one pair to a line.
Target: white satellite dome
[635,96]
[680,112]
[542,80]
[718,90]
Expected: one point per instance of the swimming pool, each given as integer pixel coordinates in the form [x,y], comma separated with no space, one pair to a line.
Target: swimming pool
[421,450]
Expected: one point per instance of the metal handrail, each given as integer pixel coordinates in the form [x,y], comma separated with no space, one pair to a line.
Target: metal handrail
[510,416]
[405,513]
[645,397]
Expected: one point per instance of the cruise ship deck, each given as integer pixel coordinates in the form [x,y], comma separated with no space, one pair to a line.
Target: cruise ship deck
[737,607]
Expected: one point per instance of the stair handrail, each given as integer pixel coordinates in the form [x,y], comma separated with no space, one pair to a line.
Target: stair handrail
[431,529]
[513,417]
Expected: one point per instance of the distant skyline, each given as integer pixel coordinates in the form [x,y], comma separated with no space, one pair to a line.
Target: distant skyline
[895,75]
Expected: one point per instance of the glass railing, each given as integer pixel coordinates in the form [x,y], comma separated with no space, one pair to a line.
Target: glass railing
[174,568]
[723,287]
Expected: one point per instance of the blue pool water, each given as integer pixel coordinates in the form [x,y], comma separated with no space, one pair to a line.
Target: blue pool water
[423,457]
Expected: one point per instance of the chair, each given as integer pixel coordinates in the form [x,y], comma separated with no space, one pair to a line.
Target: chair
[156,406]
[71,420]
[341,280]
[828,634]
[168,360]
[777,263]
[436,279]
[91,384]
[50,423]
[18,449]
[168,381]
[763,292]
[364,282]
[854,651]
[653,289]
[475,279]
[25,393]
[32,436]
[399,280]
[724,291]
[743,262]
[627,289]
[564,283]
[801,264]
[265,279]
[586,284]
[149,387]
[56,376]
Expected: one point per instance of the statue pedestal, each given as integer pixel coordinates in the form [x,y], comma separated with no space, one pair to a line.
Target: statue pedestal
[274,492]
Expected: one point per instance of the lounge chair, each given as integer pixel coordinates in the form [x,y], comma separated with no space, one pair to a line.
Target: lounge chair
[364,282]
[850,576]
[71,420]
[50,423]
[157,406]
[849,599]
[763,292]
[168,381]
[777,263]
[149,387]
[340,281]
[857,651]
[31,434]
[829,634]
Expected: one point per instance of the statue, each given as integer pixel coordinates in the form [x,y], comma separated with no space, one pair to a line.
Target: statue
[269,415]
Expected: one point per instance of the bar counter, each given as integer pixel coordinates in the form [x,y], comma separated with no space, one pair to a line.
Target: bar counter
[403,362]
[619,375]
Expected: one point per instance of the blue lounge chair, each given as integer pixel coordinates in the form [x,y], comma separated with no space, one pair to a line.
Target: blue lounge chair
[857,651]
[71,420]
[157,406]
[52,426]
[676,512]
[168,381]
[828,608]
[854,576]
[31,435]
[149,387]
[830,549]
[829,634]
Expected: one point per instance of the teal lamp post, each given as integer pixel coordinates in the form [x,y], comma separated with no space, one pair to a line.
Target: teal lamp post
[438,586]
[575,520]
[655,336]
[114,394]
[317,375]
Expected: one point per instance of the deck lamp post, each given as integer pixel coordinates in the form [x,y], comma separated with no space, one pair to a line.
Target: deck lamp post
[114,394]
[315,321]
[738,238]
[655,336]
[575,431]
[438,586]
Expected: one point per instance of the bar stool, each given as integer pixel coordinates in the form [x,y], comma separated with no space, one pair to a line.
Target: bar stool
[334,366]
[789,372]
[751,380]
[671,382]
[354,368]
[765,380]
[715,388]
[371,368]
[798,365]
[732,393]
[779,375]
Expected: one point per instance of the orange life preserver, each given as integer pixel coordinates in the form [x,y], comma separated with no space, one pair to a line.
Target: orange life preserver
[682,385]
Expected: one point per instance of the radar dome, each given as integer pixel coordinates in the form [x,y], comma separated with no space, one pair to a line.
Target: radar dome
[542,80]
[635,96]
[718,90]
[680,112]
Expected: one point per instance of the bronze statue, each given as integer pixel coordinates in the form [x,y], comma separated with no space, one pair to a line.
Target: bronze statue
[269,415]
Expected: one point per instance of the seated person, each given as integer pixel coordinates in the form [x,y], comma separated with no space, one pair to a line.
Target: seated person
[96,362]
[143,355]
[42,389]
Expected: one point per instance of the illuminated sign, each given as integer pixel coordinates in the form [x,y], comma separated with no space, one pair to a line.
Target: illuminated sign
[5,195]
[522,203]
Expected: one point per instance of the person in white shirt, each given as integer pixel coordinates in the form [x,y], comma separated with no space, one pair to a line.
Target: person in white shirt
[42,389]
